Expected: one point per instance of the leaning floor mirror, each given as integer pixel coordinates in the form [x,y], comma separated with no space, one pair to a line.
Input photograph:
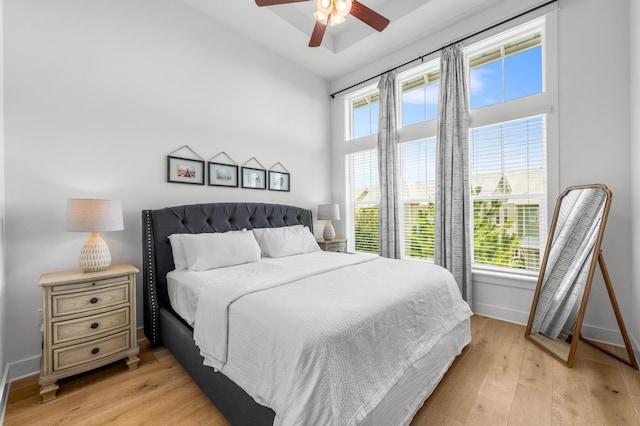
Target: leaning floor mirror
[571,258]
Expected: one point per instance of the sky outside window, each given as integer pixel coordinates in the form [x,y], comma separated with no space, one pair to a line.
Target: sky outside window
[506,73]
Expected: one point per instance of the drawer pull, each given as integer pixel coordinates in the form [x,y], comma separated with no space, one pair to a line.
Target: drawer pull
[94,300]
[95,351]
[95,325]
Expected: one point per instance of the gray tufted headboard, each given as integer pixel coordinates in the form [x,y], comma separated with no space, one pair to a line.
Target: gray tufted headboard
[157,225]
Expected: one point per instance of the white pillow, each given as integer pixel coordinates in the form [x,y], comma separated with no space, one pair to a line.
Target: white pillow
[286,241]
[259,232]
[205,251]
[179,259]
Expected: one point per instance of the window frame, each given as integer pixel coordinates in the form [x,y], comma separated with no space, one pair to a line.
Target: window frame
[410,74]
[369,90]
[350,205]
[402,201]
[542,103]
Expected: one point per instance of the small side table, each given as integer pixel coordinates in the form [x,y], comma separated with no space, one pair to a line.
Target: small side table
[338,245]
[89,321]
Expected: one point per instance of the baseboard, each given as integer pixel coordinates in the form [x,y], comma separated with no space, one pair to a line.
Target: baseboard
[24,368]
[4,393]
[500,313]
[636,346]
[604,335]
[140,334]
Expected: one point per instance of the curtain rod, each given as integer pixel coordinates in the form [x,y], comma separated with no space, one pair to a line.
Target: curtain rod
[421,57]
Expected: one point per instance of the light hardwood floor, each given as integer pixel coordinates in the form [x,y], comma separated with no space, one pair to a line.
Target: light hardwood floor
[499,379]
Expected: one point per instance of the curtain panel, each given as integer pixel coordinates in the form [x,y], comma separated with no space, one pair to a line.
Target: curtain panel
[453,200]
[388,217]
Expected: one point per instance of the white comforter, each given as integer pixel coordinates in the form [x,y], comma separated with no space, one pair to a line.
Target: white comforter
[321,337]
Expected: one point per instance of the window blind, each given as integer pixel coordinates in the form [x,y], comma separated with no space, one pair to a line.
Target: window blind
[508,185]
[418,174]
[363,189]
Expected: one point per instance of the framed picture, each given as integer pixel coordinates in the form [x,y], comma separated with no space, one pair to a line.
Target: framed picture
[185,170]
[278,181]
[223,175]
[254,178]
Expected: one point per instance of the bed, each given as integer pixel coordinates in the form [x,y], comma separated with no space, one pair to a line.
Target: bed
[301,338]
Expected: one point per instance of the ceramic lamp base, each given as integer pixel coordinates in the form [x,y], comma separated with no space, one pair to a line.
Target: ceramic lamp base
[329,233]
[95,255]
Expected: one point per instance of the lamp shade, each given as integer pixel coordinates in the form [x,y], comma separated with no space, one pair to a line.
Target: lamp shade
[328,212]
[86,215]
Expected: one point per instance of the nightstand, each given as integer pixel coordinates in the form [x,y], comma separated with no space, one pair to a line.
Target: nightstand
[89,320]
[337,244]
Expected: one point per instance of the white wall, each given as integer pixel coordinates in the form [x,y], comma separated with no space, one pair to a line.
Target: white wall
[634,56]
[98,93]
[594,132]
[3,322]
[593,138]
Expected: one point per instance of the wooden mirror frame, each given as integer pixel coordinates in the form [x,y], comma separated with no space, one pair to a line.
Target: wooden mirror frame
[597,259]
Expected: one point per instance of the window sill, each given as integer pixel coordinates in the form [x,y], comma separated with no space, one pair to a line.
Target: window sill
[525,280]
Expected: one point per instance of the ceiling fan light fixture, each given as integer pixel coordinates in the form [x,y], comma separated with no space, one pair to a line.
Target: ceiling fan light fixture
[336,18]
[324,6]
[334,12]
[321,17]
[343,7]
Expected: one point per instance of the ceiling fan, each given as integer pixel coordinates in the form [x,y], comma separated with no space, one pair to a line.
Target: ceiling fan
[333,12]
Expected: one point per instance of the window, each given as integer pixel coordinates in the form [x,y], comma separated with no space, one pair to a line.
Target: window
[364,115]
[363,192]
[417,197]
[420,98]
[508,177]
[510,115]
[508,191]
[505,72]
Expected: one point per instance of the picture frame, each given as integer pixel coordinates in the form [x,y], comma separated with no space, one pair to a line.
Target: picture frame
[254,178]
[185,170]
[223,175]
[279,181]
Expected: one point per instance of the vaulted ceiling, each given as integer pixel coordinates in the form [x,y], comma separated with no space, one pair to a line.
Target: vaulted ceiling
[285,29]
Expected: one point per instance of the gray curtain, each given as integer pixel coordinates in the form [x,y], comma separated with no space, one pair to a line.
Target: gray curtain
[453,204]
[388,219]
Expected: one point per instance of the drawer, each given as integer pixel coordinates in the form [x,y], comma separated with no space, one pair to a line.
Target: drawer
[86,285]
[91,351]
[336,247]
[73,303]
[80,328]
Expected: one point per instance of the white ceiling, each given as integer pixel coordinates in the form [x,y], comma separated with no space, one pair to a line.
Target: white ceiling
[286,29]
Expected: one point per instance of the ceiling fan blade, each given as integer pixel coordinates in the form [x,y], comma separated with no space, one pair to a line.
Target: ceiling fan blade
[318,34]
[368,16]
[274,2]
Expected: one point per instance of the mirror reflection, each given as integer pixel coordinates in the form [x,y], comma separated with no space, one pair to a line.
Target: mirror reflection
[568,266]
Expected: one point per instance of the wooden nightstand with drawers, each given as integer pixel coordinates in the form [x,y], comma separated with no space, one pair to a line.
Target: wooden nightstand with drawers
[89,320]
[337,244]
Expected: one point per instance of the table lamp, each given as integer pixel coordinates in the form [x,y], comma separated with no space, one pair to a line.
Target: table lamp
[86,215]
[328,212]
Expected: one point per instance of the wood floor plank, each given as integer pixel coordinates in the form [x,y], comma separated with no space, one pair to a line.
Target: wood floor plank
[504,372]
[499,378]
[532,399]
[495,397]
[530,407]
[611,401]
[632,383]
[457,400]
[571,403]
